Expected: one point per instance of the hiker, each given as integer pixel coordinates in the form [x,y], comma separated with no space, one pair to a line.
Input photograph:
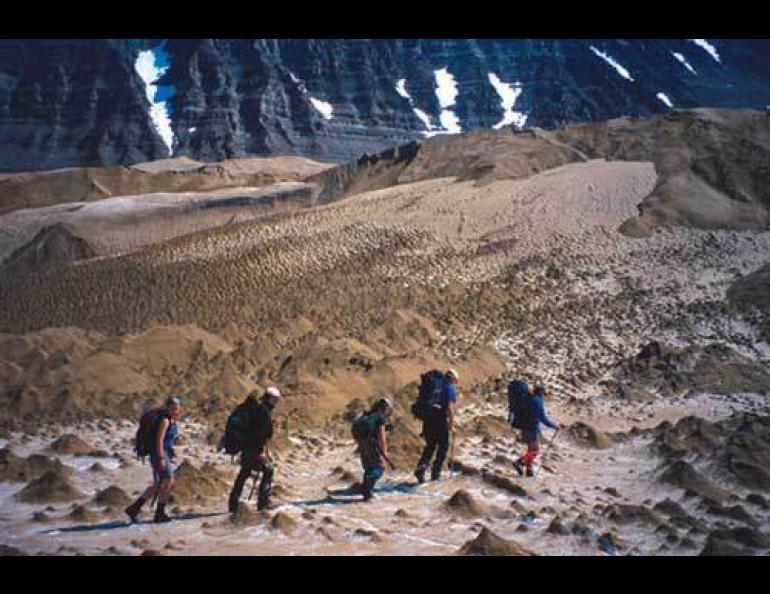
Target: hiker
[526,412]
[161,428]
[437,424]
[255,456]
[370,432]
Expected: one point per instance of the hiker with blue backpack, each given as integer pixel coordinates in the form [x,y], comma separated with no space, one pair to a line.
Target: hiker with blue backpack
[435,407]
[155,438]
[369,431]
[248,431]
[526,411]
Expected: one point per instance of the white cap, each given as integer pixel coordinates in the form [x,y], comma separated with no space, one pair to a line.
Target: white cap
[273,391]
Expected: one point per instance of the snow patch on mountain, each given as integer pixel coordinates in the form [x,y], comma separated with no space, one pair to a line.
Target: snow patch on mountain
[684,62]
[446,91]
[401,89]
[151,65]
[323,107]
[712,51]
[508,95]
[326,109]
[423,117]
[612,62]
[664,98]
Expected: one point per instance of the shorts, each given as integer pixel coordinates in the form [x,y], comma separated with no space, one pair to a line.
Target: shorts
[160,474]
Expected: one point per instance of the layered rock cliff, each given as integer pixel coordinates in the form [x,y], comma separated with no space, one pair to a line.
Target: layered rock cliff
[106,102]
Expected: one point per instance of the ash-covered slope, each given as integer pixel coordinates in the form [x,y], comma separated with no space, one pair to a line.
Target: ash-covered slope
[106,102]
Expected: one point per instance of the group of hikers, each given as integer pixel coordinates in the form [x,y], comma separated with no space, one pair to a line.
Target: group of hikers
[249,429]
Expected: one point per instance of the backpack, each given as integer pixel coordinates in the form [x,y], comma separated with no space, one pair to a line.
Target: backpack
[362,427]
[431,392]
[236,430]
[521,405]
[146,433]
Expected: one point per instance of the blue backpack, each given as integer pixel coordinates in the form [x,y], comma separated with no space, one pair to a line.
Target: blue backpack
[521,405]
[431,393]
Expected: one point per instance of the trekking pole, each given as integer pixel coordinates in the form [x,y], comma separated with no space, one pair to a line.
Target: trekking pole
[253,484]
[154,494]
[547,451]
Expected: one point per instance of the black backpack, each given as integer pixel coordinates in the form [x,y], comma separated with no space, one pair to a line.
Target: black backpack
[362,427]
[236,430]
[521,405]
[147,431]
[432,386]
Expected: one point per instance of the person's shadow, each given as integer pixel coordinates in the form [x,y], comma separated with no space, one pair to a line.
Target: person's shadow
[116,524]
[354,495]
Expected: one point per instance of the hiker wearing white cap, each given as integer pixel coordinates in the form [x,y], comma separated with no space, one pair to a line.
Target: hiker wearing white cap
[254,434]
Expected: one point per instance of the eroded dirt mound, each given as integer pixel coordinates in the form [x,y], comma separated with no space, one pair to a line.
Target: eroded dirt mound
[588,436]
[69,372]
[52,487]
[112,496]
[192,485]
[489,544]
[660,370]
[464,504]
[18,469]
[82,514]
[71,444]
[489,427]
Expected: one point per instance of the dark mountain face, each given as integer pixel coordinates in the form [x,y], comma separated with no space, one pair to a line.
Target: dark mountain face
[106,102]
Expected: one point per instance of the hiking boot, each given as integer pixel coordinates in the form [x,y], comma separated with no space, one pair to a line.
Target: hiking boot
[160,514]
[161,517]
[435,476]
[529,471]
[368,496]
[267,506]
[420,474]
[519,466]
[233,509]
[132,511]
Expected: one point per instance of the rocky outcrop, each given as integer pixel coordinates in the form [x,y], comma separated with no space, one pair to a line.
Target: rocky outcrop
[660,370]
[85,102]
[753,291]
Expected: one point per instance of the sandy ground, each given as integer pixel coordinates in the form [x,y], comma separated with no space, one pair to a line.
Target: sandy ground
[591,297]
[576,484]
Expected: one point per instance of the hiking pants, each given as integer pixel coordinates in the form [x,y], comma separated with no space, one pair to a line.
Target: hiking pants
[252,462]
[532,439]
[435,430]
